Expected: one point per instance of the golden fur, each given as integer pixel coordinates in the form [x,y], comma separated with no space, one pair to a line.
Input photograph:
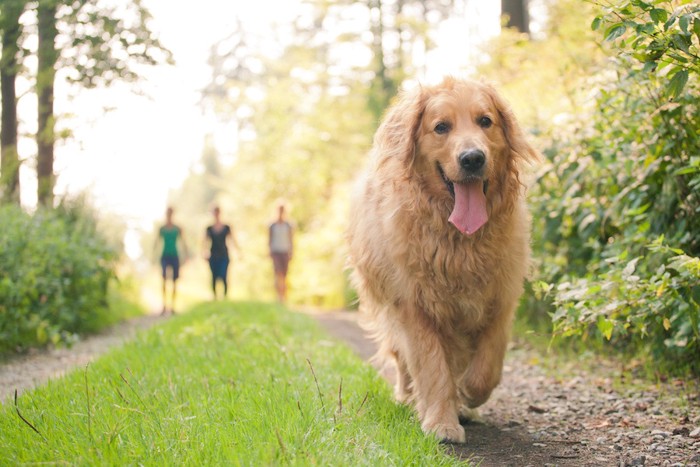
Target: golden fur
[440,302]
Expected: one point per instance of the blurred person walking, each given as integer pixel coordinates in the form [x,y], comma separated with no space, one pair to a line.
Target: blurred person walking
[281,246]
[170,235]
[219,235]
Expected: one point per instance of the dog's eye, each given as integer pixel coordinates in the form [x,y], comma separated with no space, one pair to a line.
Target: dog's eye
[442,128]
[485,122]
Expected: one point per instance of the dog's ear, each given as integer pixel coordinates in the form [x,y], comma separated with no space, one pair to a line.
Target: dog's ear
[520,148]
[397,134]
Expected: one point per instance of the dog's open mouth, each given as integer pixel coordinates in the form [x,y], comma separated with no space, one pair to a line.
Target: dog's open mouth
[469,213]
[450,184]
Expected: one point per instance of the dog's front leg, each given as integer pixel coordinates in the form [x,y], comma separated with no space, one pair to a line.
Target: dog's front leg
[434,390]
[402,390]
[484,370]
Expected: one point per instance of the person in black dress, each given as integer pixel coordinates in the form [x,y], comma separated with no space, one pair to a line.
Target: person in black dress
[219,235]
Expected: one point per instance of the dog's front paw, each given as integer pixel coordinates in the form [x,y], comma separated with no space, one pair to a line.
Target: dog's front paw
[402,396]
[447,433]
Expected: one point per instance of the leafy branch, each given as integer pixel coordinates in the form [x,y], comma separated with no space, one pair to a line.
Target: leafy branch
[660,39]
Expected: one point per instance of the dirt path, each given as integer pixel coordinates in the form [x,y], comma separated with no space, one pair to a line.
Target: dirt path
[27,371]
[574,419]
[533,418]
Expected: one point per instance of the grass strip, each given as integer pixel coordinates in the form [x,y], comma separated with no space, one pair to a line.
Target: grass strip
[225,384]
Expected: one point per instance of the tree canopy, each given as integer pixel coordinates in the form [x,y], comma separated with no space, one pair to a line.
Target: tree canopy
[88,43]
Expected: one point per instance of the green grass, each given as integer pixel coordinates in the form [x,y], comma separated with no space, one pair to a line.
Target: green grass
[123,303]
[225,384]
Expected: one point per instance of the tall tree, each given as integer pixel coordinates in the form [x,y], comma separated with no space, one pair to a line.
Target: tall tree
[397,28]
[9,159]
[114,39]
[46,74]
[517,14]
[383,87]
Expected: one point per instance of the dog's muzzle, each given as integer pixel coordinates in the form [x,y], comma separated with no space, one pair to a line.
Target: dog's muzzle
[450,184]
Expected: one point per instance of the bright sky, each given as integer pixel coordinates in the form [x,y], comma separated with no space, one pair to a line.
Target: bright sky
[130,157]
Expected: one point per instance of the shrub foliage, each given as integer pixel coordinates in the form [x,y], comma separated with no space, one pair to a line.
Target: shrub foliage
[617,214]
[54,273]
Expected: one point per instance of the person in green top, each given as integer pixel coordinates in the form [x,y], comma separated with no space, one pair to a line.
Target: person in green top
[170,235]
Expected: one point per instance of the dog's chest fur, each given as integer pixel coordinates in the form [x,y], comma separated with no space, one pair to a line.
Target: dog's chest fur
[449,274]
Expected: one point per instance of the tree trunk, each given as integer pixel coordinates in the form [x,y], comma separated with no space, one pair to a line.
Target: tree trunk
[383,86]
[400,64]
[517,13]
[9,158]
[46,72]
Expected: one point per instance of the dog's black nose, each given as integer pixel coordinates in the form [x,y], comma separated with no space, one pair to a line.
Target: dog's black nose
[472,160]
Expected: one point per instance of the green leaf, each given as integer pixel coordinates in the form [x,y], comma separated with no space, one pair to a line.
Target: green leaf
[630,267]
[681,42]
[595,25]
[643,5]
[696,27]
[658,15]
[666,322]
[649,66]
[605,326]
[614,32]
[678,58]
[686,171]
[677,83]
[646,28]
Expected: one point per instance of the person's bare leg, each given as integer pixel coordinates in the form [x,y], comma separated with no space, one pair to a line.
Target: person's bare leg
[172,303]
[283,287]
[278,286]
[163,297]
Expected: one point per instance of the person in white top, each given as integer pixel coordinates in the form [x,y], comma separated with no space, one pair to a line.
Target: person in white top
[281,248]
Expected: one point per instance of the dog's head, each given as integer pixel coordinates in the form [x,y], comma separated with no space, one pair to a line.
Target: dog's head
[462,141]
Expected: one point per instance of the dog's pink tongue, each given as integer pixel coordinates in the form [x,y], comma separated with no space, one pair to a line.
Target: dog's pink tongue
[469,213]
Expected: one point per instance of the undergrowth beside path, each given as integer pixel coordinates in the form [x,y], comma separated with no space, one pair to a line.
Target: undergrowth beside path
[227,383]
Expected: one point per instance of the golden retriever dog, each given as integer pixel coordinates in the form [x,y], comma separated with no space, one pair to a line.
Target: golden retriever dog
[439,245]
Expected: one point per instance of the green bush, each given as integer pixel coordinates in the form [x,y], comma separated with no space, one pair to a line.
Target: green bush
[617,215]
[55,268]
